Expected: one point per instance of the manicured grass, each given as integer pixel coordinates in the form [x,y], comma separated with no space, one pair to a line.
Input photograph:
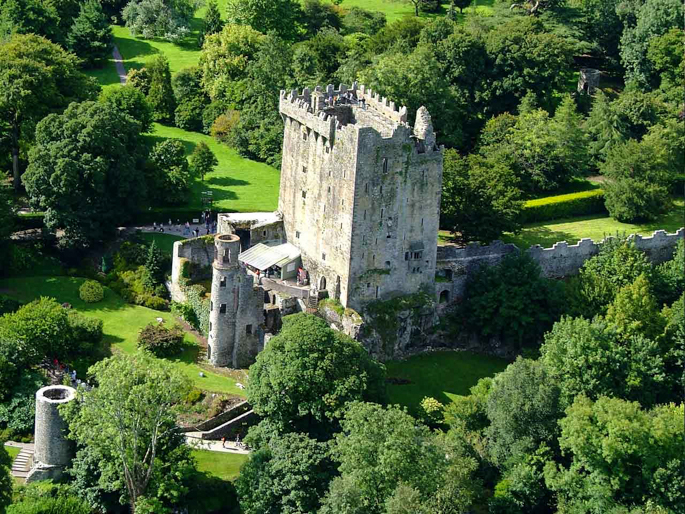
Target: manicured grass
[121,321]
[237,184]
[442,375]
[164,242]
[220,464]
[13,451]
[398,9]
[596,228]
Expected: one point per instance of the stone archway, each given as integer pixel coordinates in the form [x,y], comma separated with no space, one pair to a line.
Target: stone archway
[322,283]
[444,296]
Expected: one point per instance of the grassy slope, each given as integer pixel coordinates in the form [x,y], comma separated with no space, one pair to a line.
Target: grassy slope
[222,465]
[442,375]
[238,184]
[13,451]
[164,242]
[122,322]
[572,230]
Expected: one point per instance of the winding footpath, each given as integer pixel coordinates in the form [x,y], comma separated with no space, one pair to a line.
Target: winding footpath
[119,64]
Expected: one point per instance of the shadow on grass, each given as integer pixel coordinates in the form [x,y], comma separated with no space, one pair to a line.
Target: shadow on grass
[151,140]
[541,235]
[226,182]
[132,49]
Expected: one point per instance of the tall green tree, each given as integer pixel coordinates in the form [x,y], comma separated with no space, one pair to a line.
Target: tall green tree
[278,16]
[37,77]
[638,183]
[480,198]
[161,94]
[462,4]
[202,160]
[31,17]
[6,480]
[167,19]
[168,172]
[606,127]
[130,101]
[622,457]
[129,420]
[307,373]
[85,171]
[91,36]
[212,22]
[154,270]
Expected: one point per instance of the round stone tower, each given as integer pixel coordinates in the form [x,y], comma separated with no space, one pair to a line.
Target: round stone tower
[224,300]
[53,451]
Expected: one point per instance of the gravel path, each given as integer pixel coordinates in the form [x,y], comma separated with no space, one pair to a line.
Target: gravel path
[118,62]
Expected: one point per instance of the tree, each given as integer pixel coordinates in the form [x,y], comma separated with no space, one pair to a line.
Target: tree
[318,15]
[289,474]
[606,127]
[307,373]
[622,456]
[6,480]
[190,97]
[167,19]
[461,4]
[480,198]
[17,412]
[169,175]
[523,409]
[526,58]
[154,271]
[592,358]
[512,301]
[31,17]
[618,264]
[667,60]
[130,101]
[129,419]
[634,311]
[44,496]
[7,217]
[601,24]
[212,22]
[36,77]
[161,94]
[278,16]
[85,171]
[638,183]
[654,18]
[202,160]
[91,36]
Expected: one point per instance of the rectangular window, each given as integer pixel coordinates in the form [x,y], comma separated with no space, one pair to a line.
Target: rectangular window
[211,306]
[304,169]
[304,135]
[210,326]
[222,308]
[377,291]
[304,194]
[406,256]
[382,212]
[264,233]
[323,256]
[368,285]
[366,188]
[297,234]
[364,214]
[222,282]
[248,329]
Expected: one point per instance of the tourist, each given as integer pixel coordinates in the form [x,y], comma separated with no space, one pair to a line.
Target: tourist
[170,223]
[154,226]
[223,442]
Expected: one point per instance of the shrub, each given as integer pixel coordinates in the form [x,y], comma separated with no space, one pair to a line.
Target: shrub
[194,396]
[432,411]
[8,305]
[563,206]
[45,497]
[161,341]
[199,303]
[17,412]
[669,280]
[152,302]
[91,291]
[86,331]
[512,301]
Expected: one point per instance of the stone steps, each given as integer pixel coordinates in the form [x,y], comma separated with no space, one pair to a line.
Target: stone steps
[22,463]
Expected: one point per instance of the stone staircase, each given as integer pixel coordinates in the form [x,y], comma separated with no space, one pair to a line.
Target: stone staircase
[22,463]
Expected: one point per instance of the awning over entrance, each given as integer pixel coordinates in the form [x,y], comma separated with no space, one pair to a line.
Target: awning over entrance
[262,257]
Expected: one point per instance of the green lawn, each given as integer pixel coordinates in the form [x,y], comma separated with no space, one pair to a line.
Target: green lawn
[237,184]
[164,242]
[596,228]
[13,451]
[122,322]
[442,375]
[397,9]
[219,464]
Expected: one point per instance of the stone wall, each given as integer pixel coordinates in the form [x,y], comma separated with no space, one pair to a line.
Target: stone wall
[454,265]
[200,252]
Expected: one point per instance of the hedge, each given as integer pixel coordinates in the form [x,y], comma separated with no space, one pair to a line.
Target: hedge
[564,206]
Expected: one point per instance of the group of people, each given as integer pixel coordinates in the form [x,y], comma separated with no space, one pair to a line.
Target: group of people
[343,98]
[238,444]
[71,373]
[187,230]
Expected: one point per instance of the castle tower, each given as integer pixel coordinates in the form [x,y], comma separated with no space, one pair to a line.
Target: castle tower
[53,451]
[360,192]
[236,308]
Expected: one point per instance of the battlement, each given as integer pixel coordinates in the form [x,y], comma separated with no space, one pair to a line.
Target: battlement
[330,110]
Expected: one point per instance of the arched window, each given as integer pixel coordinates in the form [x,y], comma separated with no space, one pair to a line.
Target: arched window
[385,165]
[322,284]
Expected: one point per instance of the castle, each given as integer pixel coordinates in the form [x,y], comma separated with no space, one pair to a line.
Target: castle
[357,222]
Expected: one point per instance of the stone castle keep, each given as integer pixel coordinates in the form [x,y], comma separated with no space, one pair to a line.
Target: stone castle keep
[357,221]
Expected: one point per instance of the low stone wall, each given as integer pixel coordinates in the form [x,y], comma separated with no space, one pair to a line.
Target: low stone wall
[227,415]
[235,426]
[454,264]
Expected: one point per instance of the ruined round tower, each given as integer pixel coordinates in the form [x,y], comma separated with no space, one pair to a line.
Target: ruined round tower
[224,300]
[53,451]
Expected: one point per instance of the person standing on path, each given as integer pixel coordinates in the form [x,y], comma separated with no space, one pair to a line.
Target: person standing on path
[223,442]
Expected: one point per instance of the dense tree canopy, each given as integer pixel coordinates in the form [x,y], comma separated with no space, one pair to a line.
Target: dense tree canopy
[130,101]
[91,36]
[85,171]
[167,19]
[37,77]
[306,374]
[279,16]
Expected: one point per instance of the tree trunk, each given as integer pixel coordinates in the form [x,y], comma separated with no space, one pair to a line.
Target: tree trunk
[15,156]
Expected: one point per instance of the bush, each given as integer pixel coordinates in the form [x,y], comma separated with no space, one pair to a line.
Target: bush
[8,305]
[199,303]
[91,291]
[194,396]
[583,203]
[161,341]
[152,302]
[44,497]
[17,412]
[86,331]
[512,301]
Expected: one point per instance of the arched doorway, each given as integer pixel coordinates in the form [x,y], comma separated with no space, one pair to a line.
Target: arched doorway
[444,296]
[322,283]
